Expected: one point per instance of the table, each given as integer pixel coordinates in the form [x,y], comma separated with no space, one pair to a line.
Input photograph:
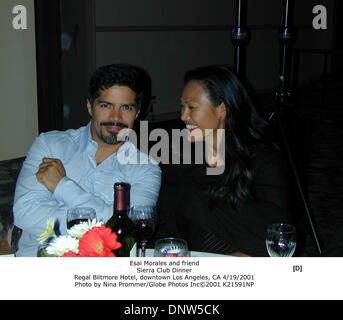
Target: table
[150,253]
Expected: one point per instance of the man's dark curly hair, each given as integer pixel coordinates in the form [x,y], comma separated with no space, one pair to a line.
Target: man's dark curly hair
[131,76]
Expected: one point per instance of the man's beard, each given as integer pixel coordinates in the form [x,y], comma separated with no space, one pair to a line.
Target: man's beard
[112,138]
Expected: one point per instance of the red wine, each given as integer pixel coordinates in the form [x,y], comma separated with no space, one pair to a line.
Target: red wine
[145,229]
[120,222]
[75,221]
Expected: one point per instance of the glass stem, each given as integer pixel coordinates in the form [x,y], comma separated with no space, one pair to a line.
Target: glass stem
[143,245]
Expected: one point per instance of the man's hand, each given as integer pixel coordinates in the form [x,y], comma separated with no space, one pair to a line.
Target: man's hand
[50,173]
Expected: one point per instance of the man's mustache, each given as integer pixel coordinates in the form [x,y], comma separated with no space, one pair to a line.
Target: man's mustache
[114,124]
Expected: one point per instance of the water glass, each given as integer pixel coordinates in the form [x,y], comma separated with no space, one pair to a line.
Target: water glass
[79,215]
[281,240]
[171,247]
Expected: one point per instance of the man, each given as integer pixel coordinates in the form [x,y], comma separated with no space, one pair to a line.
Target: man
[78,168]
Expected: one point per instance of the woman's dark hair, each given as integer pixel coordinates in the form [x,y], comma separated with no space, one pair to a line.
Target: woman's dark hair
[136,78]
[245,131]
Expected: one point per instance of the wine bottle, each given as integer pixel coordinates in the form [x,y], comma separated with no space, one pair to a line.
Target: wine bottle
[120,223]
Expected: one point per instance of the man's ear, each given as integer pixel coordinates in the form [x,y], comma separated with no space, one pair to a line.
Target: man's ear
[89,108]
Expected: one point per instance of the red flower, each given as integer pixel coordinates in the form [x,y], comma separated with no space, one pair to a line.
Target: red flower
[70,254]
[98,242]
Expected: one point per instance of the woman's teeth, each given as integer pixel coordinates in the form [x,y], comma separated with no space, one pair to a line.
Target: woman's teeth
[191,127]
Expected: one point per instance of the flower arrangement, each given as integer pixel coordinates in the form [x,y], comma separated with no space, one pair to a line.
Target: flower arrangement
[87,239]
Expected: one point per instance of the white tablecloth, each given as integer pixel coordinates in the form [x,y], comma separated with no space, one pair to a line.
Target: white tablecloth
[150,253]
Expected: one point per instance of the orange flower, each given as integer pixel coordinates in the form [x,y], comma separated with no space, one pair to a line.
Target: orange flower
[98,242]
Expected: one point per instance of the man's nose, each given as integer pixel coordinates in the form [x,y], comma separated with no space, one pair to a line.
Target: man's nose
[116,113]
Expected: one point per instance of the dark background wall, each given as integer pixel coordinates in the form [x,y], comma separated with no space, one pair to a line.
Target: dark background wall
[169,37]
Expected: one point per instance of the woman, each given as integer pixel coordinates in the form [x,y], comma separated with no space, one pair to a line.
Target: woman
[226,213]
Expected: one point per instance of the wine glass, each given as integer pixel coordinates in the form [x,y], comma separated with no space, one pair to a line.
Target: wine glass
[78,215]
[144,219]
[171,247]
[281,240]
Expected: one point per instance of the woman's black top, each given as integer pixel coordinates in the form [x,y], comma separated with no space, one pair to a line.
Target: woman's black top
[186,210]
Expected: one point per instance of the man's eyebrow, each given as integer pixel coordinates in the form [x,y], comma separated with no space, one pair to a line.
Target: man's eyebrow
[130,104]
[133,104]
[104,101]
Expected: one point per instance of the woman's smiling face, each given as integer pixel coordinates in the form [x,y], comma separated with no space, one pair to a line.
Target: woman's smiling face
[199,113]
